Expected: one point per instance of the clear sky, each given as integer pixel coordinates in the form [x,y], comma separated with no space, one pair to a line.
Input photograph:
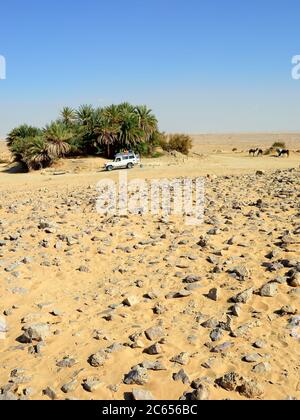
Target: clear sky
[201,65]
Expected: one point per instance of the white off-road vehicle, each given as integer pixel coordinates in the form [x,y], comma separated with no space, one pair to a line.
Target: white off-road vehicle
[122,161]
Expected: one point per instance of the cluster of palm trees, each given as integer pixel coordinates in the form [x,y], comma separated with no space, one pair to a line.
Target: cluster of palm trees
[87,130]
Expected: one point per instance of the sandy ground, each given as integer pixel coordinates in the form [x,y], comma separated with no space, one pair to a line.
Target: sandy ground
[212,154]
[76,284]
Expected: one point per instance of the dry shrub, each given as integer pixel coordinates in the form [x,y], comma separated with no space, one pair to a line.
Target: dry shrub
[279,145]
[181,143]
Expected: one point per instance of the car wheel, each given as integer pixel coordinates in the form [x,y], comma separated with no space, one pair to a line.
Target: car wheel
[109,168]
[130,166]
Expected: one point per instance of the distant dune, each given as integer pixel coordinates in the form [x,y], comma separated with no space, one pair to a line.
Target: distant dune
[223,153]
[4,152]
[262,139]
[3,146]
[292,140]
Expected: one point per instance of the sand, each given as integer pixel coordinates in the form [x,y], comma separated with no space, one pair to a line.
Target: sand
[75,268]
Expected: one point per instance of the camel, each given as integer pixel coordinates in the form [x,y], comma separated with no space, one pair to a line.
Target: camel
[256,152]
[252,152]
[283,152]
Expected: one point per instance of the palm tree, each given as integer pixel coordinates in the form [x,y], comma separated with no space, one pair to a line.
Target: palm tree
[17,140]
[18,147]
[68,116]
[88,119]
[86,130]
[131,133]
[84,114]
[156,139]
[126,107]
[22,132]
[57,135]
[107,133]
[113,114]
[36,154]
[147,121]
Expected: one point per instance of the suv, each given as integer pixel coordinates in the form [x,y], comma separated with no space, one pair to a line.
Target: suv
[128,161]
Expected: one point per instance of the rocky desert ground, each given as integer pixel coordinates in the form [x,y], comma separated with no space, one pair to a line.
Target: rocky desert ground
[145,307]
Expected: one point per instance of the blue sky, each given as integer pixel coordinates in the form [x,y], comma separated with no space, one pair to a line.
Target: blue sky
[201,65]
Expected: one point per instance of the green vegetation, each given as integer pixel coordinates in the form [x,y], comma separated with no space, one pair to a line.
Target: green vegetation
[86,131]
[156,155]
[276,145]
[279,144]
[179,142]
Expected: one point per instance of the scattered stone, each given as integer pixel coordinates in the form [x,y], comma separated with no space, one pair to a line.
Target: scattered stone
[131,301]
[154,349]
[192,279]
[216,334]
[18,376]
[269,290]
[155,366]
[214,294]
[142,395]
[209,364]
[159,309]
[260,344]
[56,312]
[241,331]
[29,392]
[3,328]
[222,348]
[295,280]
[98,359]
[243,297]
[50,393]
[35,332]
[91,384]
[178,295]
[154,333]
[294,321]
[251,238]
[181,359]
[83,269]
[263,367]
[251,389]
[114,348]
[251,358]
[181,376]
[69,387]
[236,310]
[151,295]
[210,323]
[12,267]
[8,396]
[202,393]
[240,272]
[288,310]
[66,362]
[137,376]
[229,382]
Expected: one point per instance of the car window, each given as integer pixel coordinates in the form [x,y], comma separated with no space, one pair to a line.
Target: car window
[118,160]
[131,157]
[126,157]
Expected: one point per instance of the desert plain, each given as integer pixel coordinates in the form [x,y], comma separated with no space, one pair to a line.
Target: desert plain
[144,306]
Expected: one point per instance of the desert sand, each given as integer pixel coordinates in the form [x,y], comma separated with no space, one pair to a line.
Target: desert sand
[100,307]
